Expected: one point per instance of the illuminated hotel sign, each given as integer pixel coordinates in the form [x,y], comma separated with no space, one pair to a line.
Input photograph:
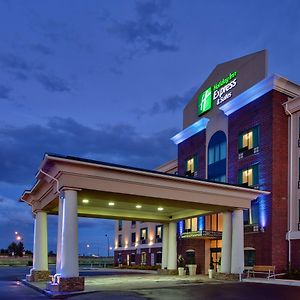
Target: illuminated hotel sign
[219,93]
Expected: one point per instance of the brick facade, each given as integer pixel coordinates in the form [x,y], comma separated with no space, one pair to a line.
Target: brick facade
[267,112]
[195,145]
[193,244]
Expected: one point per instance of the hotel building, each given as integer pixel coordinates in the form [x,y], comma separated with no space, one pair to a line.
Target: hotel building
[242,127]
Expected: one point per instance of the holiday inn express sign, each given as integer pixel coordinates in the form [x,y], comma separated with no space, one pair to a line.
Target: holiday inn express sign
[217,93]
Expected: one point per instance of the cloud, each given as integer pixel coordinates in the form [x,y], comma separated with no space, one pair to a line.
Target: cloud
[5,92]
[23,147]
[52,83]
[41,49]
[150,31]
[11,209]
[14,63]
[170,104]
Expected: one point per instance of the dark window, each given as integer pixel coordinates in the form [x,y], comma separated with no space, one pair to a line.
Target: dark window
[299,170]
[249,258]
[144,235]
[133,238]
[120,224]
[217,154]
[133,224]
[132,258]
[249,176]
[158,258]
[299,210]
[190,257]
[191,166]
[120,240]
[158,233]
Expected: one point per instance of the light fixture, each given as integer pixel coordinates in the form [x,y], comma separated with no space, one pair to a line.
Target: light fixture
[85,200]
[160,208]
[111,203]
[138,206]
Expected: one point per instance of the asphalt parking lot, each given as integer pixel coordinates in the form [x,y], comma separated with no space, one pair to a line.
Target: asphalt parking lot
[12,288]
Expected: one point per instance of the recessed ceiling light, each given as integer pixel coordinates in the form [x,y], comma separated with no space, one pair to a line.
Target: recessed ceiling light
[160,208]
[138,206]
[111,203]
[85,201]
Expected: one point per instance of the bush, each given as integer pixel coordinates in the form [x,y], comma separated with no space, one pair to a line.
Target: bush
[29,263]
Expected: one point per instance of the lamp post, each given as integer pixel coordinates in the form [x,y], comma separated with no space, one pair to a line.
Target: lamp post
[107,245]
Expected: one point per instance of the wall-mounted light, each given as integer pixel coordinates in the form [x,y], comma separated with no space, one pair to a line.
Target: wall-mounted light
[138,206]
[85,201]
[160,208]
[111,203]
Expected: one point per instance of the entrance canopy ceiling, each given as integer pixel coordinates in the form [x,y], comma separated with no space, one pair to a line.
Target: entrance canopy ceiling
[118,192]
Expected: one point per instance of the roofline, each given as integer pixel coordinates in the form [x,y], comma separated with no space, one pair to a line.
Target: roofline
[91,162]
[273,82]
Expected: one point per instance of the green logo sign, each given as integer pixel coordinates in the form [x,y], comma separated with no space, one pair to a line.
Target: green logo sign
[205,101]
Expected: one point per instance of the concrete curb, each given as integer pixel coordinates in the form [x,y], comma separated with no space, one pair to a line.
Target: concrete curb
[273,281]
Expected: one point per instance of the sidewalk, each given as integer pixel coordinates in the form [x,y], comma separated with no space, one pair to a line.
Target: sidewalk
[127,283]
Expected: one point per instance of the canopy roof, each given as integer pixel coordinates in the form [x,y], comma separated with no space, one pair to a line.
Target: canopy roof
[100,184]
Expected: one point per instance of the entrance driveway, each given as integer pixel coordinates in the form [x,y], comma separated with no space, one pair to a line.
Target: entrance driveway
[111,284]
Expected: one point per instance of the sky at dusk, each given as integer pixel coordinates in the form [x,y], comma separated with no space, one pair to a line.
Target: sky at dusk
[108,80]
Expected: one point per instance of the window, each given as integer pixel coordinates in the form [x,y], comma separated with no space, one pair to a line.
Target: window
[133,224]
[158,258]
[190,257]
[144,235]
[158,234]
[248,142]
[251,216]
[191,166]
[217,154]
[120,225]
[299,210]
[132,258]
[249,257]
[133,238]
[249,176]
[120,240]
[143,258]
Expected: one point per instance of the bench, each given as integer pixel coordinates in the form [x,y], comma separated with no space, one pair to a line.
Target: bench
[267,270]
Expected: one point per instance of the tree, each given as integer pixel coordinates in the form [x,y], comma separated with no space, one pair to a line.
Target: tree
[16,249]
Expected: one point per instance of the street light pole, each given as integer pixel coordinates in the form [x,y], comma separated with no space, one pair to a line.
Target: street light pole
[107,245]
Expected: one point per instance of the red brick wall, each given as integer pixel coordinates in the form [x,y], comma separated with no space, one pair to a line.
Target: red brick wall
[259,113]
[267,111]
[197,245]
[195,145]
[280,182]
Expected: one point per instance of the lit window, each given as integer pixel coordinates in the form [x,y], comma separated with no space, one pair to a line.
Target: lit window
[248,176]
[143,258]
[249,142]
[158,234]
[144,235]
[191,166]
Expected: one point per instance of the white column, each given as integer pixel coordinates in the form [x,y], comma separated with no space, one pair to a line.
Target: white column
[164,260]
[40,246]
[237,254]
[59,233]
[226,243]
[172,246]
[69,238]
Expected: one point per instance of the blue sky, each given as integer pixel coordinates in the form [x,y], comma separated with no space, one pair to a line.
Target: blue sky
[108,80]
